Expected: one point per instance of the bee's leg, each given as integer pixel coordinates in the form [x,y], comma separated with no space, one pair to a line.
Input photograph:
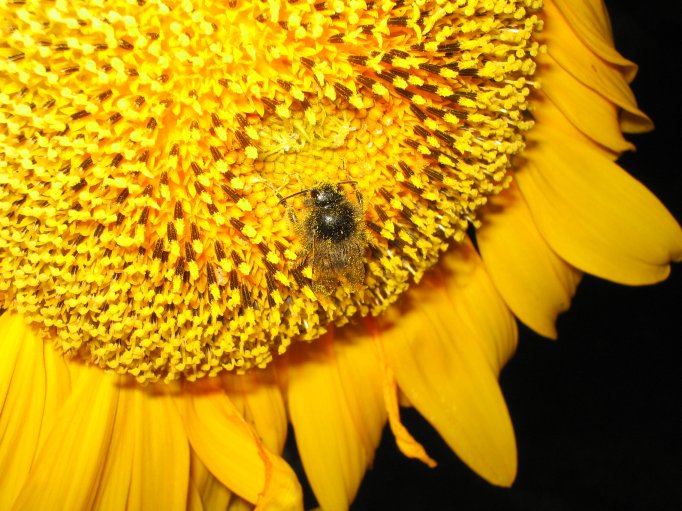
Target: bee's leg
[302,257]
[290,211]
[292,215]
[353,183]
[358,195]
[267,183]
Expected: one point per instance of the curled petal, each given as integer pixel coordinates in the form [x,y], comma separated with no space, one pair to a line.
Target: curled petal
[232,451]
[282,490]
[407,444]
[262,404]
[447,353]
[206,491]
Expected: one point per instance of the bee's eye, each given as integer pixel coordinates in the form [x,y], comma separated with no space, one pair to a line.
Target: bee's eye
[314,194]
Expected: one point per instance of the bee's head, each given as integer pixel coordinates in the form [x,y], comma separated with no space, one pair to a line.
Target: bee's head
[326,195]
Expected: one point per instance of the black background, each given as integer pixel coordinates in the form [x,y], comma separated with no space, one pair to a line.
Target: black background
[594,412]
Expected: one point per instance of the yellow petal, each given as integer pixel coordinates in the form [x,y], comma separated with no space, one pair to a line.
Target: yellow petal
[68,469]
[118,466]
[223,441]
[23,400]
[239,504]
[535,282]
[160,465]
[337,416]
[12,331]
[590,112]
[591,212]
[407,444]
[194,499]
[565,47]
[263,405]
[148,466]
[447,350]
[232,451]
[589,19]
[57,391]
[480,310]
[359,370]
[211,493]
[34,383]
[282,491]
[39,399]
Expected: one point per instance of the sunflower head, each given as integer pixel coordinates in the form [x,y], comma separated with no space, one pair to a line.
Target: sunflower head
[146,146]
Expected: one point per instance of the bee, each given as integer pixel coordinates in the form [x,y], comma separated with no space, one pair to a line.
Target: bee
[334,236]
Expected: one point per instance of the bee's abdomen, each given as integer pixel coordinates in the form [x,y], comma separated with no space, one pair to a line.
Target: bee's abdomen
[335,223]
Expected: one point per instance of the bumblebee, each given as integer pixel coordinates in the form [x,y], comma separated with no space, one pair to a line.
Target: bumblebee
[334,236]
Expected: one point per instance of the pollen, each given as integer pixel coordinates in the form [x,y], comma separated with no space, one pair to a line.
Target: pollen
[145,145]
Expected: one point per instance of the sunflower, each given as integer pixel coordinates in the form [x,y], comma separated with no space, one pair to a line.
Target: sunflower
[223,219]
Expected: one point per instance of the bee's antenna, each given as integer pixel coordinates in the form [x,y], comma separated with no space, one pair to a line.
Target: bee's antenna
[270,185]
[282,200]
[349,182]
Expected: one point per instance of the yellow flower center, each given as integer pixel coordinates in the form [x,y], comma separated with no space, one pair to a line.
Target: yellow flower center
[188,188]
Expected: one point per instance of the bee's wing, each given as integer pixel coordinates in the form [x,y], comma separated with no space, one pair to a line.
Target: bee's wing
[333,264]
[325,277]
[354,271]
